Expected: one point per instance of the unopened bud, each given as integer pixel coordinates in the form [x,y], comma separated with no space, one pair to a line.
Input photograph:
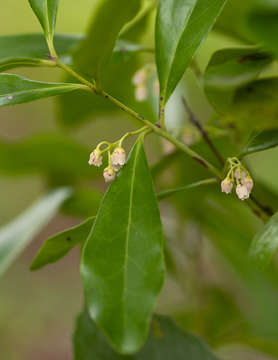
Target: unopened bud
[227,186]
[242,192]
[118,158]
[239,174]
[248,182]
[95,158]
[109,174]
[139,77]
[141,93]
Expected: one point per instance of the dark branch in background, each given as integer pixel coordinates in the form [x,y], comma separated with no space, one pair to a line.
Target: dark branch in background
[205,135]
[266,209]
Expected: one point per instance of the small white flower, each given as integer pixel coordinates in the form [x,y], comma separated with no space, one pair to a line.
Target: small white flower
[95,158]
[141,93]
[109,174]
[248,182]
[242,192]
[227,186]
[139,77]
[118,158]
[239,174]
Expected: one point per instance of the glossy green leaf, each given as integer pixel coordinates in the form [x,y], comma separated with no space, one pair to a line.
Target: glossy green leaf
[47,154]
[96,50]
[16,89]
[231,69]
[181,27]
[265,243]
[264,28]
[255,106]
[122,264]
[166,341]
[15,236]
[57,246]
[30,49]
[260,142]
[46,11]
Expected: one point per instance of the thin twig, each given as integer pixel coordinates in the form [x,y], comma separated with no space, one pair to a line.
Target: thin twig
[205,135]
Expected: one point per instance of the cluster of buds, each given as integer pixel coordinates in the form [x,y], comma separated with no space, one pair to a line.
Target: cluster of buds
[240,176]
[116,161]
[140,81]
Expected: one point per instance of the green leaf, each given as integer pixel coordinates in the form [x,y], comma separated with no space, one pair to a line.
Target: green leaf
[264,28]
[231,69]
[265,243]
[47,154]
[15,236]
[95,51]
[166,341]
[260,142]
[46,11]
[255,106]
[16,89]
[181,27]
[122,264]
[29,49]
[57,246]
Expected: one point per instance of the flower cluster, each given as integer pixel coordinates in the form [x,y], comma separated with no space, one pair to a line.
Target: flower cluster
[240,176]
[116,160]
[140,81]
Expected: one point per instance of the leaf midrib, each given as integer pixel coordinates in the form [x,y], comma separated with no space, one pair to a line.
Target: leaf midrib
[128,232]
[174,53]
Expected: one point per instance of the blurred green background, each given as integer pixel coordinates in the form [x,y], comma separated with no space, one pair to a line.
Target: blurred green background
[37,310]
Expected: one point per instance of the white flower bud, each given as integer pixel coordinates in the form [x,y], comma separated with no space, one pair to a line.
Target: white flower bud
[139,77]
[248,182]
[95,158]
[239,174]
[242,192]
[109,174]
[118,158]
[227,186]
[141,93]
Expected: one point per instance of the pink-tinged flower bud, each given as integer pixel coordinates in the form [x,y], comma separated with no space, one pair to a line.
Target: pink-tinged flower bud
[242,192]
[109,174]
[156,88]
[118,158]
[141,93]
[239,174]
[227,186]
[248,182]
[95,158]
[139,78]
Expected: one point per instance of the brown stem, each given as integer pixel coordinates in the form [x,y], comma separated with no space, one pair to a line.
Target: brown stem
[205,135]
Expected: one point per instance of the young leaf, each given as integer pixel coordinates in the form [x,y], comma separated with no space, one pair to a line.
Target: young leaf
[181,26]
[166,341]
[60,244]
[260,142]
[122,264]
[265,243]
[46,11]
[96,50]
[231,69]
[15,236]
[16,89]
[255,106]
[29,49]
